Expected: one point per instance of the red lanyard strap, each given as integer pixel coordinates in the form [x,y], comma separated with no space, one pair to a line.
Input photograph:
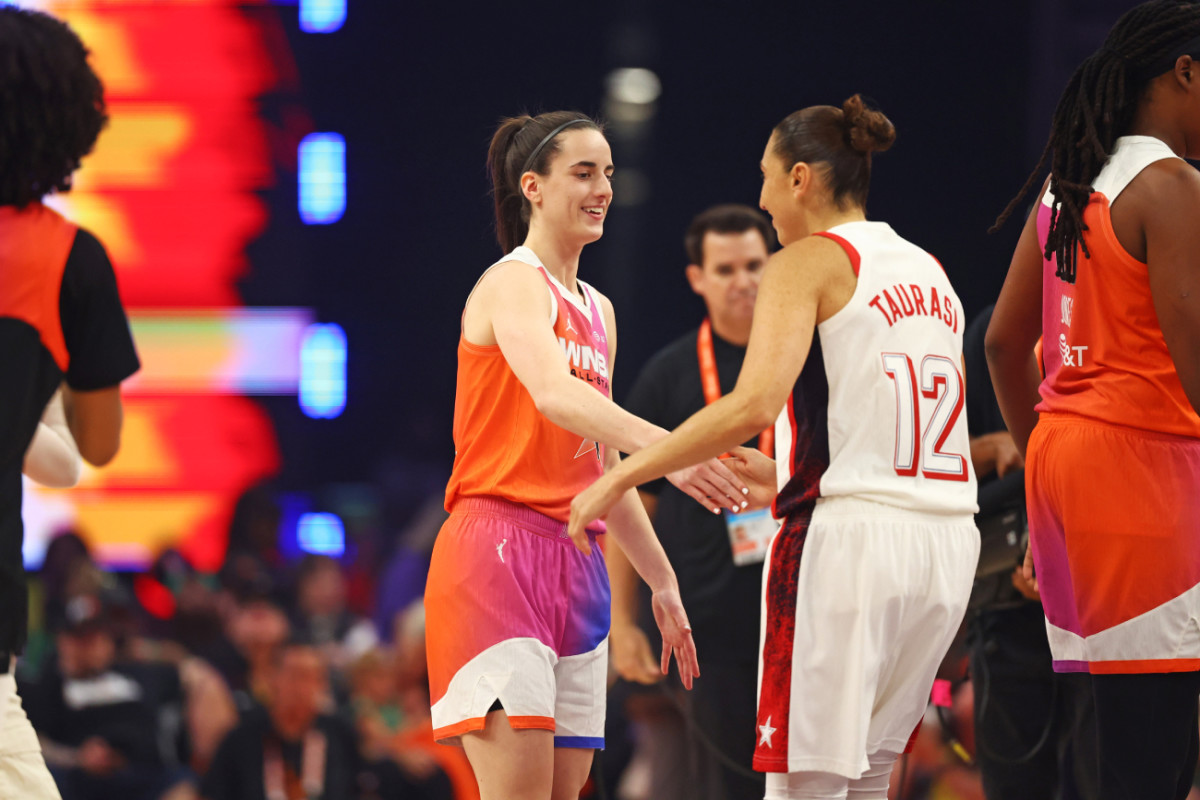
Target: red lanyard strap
[711,382]
[278,778]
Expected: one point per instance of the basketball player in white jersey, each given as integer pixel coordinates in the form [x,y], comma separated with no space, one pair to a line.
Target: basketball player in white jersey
[869,575]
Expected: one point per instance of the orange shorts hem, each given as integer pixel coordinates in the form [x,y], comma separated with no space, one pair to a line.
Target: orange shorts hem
[1144,666]
[478,723]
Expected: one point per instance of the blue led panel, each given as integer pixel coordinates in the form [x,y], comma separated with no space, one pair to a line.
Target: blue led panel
[322,534]
[322,160]
[323,371]
[322,16]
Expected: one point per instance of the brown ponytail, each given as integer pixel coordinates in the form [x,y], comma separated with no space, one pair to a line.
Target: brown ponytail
[514,141]
[839,139]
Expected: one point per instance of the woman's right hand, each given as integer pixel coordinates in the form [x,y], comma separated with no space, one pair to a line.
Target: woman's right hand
[712,485]
[757,472]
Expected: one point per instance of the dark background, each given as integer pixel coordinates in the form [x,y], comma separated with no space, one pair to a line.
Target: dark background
[417,89]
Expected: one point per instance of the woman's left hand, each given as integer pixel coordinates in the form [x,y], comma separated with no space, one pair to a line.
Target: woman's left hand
[676,635]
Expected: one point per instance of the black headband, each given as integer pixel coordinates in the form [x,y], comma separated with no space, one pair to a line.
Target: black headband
[1166,62]
[533,156]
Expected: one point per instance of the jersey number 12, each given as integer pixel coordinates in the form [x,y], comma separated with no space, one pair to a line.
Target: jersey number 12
[942,382]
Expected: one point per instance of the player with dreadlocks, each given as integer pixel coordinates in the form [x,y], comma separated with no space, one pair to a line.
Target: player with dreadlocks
[61,322]
[1107,271]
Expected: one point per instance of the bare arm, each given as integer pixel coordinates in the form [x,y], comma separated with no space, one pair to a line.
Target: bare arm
[95,419]
[52,458]
[510,308]
[1173,263]
[631,656]
[630,530]
[785,318]
[995,451]
[1012,333]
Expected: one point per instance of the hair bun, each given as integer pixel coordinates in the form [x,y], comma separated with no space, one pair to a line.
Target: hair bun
[868,130]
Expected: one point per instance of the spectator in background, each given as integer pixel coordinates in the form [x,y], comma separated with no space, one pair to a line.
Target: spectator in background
[322,618]
[402,579]
[109,728]
[255,628]
[291,750]
[383,720]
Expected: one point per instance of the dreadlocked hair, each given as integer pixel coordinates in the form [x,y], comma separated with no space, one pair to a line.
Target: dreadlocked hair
[1097,106]
[51,105]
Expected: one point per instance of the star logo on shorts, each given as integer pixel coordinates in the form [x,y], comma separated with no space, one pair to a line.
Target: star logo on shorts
[765,732]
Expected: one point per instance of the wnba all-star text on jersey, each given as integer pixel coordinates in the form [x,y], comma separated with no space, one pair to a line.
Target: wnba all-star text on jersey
[586,364]
[906,300]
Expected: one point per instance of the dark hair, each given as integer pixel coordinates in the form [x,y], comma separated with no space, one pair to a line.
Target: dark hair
[53,106]
[842,139]
[513,142]
[1097,106]
[728,218]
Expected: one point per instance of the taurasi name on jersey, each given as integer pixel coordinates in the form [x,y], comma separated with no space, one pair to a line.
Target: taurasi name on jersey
[907,300]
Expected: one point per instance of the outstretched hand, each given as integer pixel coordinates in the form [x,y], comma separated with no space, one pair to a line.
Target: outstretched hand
[591,504]
[712,485]
[676,635]
[757,472]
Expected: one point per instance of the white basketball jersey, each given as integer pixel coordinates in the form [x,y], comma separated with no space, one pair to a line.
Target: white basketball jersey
[894,421]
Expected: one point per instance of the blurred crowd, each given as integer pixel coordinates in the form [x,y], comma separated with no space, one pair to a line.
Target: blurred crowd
[274,678]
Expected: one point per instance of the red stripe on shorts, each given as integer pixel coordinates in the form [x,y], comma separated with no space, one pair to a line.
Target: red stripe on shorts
[775,697]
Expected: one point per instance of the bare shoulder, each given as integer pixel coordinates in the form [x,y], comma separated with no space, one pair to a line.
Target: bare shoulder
[814,261]
[509,276]
[815,251]
[1168,180]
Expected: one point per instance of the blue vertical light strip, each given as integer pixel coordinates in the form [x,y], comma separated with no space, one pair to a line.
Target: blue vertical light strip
[323,371]
[322,161]
[321,533]
[322,16]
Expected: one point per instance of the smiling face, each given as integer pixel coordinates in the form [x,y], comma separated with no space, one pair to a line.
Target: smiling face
[728,279]
[572,200]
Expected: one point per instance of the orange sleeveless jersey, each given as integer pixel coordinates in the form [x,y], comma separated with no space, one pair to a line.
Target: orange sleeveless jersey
[1104,353]
[503,446]
[34,245]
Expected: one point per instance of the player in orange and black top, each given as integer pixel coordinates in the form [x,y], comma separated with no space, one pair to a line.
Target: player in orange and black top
[60,315]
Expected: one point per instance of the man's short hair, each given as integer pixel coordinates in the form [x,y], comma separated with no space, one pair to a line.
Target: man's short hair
[726,218]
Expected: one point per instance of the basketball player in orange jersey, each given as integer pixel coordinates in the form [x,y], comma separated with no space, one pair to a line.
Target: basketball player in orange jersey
[855,354]
[518,618]
[1107,271]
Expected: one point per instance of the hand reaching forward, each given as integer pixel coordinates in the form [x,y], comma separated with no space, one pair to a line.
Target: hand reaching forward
[676,635]
[591,504]
[712,485]
[756,471]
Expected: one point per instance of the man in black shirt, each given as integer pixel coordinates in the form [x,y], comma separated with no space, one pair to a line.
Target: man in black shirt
[60,316]
[718,559]
[290,750]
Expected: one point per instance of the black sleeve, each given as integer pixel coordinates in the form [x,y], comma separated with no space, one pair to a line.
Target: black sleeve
[93,321]
[983,410]
[223,780]
[648,400]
